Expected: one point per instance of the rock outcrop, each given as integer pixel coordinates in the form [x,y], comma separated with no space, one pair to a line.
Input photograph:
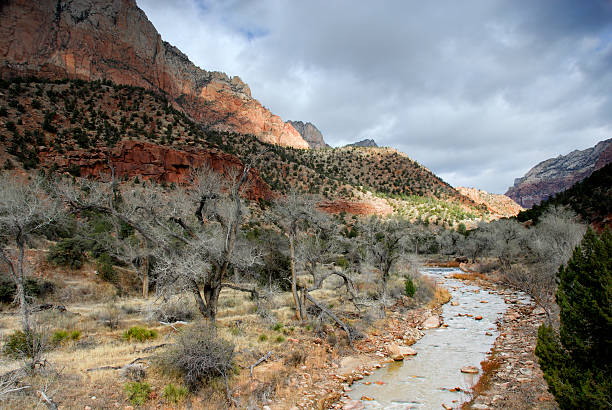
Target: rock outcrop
[497,204]
[558,174]
[153,162]
[114,40]
[310,133]
[367,143]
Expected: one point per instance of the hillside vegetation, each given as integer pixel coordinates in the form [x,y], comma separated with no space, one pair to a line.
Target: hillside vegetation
[72,115]
[590,198]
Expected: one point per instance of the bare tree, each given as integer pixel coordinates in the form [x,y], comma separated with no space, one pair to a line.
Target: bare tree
[26,209]
[293,214]
[383,244]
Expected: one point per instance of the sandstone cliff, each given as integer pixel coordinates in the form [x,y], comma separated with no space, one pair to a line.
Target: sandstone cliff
[101,39]
[153,162]
[499,205]
[558,174]
[310,133]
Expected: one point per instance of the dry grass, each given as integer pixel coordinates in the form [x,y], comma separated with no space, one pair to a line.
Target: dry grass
[489,366]
[441,296]
[469,276]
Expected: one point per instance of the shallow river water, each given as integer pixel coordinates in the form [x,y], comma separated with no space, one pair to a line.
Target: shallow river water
[424,381]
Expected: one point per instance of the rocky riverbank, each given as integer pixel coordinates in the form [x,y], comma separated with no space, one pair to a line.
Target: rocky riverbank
[512,377]
[386,342]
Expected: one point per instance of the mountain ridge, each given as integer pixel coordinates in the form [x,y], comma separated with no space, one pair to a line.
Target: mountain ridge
[98,40]
[557,174]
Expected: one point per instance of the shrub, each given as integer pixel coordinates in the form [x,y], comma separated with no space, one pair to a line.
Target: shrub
[60,336]
[276,327]
[280,339]
[33,288]
[199,356]
[20,345]
[138,392]
[262,337]
[174,394]
[409,287]
[139,334]
[105,269]
[67,252]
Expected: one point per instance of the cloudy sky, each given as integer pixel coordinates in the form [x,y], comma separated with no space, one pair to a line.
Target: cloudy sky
[478,91]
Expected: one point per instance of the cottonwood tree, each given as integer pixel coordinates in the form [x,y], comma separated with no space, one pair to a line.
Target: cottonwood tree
[26,209]
[383,244]
[204,241]
[293,214]
[195,230]
[543,248]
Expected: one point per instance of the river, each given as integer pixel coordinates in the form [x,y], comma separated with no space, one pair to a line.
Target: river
[429,379]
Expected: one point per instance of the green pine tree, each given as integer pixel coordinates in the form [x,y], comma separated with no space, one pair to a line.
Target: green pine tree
[577,361]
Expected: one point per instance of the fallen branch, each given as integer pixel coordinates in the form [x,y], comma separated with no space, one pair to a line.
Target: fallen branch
[50,403]
[151,348]
[178,322]
[138,359]
[260,361]
[347,329]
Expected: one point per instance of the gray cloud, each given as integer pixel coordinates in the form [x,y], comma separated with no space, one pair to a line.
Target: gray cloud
[478,91]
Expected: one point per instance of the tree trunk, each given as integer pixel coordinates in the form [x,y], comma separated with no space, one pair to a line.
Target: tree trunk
[145,277]
[20,281]
[296,298]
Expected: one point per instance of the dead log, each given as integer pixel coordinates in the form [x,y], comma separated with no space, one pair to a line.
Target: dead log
[260,361]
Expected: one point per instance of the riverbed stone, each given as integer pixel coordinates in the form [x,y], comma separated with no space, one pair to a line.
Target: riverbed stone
[353,405]
[431,322]
[470,369]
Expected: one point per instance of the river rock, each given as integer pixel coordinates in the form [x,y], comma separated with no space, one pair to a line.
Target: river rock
[411,335]
[431,322]
[469,369]
[478,318]
[353,405]
[394,352]
[454,303]
[407,351]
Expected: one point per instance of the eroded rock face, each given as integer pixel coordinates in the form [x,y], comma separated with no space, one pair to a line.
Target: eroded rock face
[114,40]
[375,206]
[154,162]
[310,133]
[500,205]
[367,143]
[558,174]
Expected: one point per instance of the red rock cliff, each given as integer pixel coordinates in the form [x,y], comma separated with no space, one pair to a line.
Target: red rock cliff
[113,39]
[154,162]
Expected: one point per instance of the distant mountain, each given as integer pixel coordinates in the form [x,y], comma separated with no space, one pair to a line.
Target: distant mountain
[558,174]
[114,40]
[590,198]
[367,143]
[310,133]
[498,204]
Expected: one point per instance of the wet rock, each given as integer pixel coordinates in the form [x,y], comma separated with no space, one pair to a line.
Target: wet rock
[353,405]
[469,369]
[454,303]
[478,318]
[431,322]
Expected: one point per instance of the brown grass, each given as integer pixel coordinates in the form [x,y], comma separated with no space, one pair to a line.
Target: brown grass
[469,276]
[489,366]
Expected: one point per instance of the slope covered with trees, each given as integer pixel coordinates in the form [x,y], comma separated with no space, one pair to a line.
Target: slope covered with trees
[590,198]
[58,124]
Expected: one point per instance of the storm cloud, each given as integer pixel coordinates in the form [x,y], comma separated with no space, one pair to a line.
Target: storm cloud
[477,91]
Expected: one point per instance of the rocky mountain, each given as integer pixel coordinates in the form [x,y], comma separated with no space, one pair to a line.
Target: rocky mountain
[310,133]
[114,40]
[558,174]
[497,204]
[590,198]
[367,143]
